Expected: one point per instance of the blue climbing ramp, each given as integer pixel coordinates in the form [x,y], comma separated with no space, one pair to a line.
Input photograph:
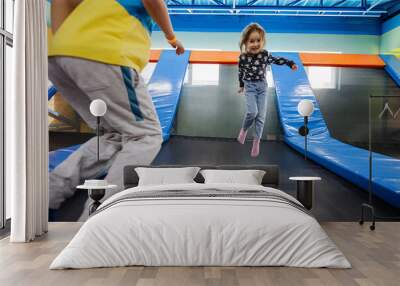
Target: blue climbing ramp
[59,155]
[347,161]
[165,87]
[51,92]
[392,67]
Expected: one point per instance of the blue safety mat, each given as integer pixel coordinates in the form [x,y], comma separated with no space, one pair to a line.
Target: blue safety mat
[51,92]
[350,162]
[392,67]
[291,87]
[59,155]
[165,87]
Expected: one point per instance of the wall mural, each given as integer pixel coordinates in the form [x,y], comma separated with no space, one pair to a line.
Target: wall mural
[118,109]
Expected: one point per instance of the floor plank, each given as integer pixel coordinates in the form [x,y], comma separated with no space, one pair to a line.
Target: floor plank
[374,255]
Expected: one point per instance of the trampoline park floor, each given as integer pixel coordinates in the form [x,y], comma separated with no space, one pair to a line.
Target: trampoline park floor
[335,198]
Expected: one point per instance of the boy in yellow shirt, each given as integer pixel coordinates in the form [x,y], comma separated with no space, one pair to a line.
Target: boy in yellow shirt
[98,49]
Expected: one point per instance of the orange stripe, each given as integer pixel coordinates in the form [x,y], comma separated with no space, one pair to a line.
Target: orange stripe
[342,60]
[203,57]
[308,59]
[213,57]
[154,55]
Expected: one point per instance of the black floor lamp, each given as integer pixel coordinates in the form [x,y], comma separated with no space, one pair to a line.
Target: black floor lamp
[96,188]
[98,108]
[305,109]
[369,205]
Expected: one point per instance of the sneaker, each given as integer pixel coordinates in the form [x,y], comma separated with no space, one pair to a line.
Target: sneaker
[255,150]
[242,136]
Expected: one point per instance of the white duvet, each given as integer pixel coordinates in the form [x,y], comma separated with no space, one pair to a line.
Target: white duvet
[200,231]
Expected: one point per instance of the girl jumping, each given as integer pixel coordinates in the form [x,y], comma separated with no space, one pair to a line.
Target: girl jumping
[253,62]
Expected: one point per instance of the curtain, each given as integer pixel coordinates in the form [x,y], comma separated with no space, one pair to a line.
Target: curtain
[27,124]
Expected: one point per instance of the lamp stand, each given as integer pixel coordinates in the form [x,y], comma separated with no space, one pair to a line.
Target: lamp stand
[305,137]
[98,137]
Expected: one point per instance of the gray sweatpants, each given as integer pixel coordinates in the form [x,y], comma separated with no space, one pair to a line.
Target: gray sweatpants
[132,132]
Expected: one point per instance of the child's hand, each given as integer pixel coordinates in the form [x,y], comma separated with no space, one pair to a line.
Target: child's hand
[178,47]
[241,89]
[294,67]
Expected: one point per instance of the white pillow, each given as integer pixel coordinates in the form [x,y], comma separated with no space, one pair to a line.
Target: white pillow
[162,176]
[248,177]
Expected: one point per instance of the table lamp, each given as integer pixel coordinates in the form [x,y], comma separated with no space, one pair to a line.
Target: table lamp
[305,109]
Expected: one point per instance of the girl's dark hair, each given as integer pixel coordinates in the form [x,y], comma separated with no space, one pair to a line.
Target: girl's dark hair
[246,34]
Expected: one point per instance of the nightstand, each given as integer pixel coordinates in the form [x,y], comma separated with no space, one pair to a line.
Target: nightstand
[96,193]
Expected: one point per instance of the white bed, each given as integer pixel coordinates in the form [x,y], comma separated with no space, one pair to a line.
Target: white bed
[224,225]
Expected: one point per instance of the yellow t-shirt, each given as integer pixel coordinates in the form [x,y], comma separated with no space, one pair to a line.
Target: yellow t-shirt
[110,31]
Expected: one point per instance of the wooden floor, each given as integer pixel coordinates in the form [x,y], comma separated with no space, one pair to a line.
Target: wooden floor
[374,255]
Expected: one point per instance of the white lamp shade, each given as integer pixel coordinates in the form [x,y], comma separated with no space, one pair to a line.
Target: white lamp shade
[98,107]
[305,107]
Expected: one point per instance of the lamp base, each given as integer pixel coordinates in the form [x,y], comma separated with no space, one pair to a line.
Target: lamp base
[374,217]
[370,207]
[96,195]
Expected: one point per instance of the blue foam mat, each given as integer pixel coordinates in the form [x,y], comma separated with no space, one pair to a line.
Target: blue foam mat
[51,92]
[392,67]
[59,155]
[164,87]
[347,161]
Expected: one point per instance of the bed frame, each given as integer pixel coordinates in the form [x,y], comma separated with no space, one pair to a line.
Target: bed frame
[271,177]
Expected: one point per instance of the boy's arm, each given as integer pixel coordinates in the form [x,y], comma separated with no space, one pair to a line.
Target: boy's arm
[60,9]
[159,12]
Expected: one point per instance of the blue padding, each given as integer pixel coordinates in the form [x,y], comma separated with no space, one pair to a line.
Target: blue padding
[51,92]
[391,24]
[57,156]
[392,67]
[350,162]
[292,87]
[165,87]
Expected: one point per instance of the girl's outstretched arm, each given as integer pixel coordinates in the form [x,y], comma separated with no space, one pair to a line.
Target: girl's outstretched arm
[280,61]
[158,11]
